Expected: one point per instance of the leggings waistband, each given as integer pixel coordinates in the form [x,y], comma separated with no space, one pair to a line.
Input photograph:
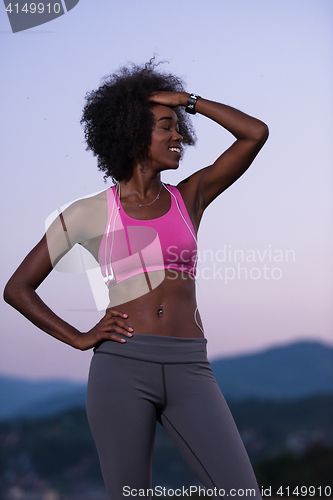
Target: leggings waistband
[158,349]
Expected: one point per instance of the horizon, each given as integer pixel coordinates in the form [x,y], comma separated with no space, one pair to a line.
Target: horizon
[286,345]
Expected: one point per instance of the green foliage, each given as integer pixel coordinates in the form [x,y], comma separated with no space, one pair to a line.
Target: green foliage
[270,428]
[313,468]
[59,450]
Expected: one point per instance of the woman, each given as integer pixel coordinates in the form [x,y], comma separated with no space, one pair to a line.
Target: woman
[150,352]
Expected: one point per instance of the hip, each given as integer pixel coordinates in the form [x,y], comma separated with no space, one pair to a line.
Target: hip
[158,348]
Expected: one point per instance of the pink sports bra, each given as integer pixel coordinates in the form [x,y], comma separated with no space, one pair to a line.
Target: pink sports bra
[131,246]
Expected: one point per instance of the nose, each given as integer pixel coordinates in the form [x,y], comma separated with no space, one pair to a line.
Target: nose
[177,136]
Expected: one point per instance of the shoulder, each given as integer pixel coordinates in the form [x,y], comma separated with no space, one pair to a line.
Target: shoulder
[85,217]
[87,205]
[193,192]
[186,196]
[189,190]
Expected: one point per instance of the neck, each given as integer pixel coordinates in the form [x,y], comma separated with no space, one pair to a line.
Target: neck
[143,184]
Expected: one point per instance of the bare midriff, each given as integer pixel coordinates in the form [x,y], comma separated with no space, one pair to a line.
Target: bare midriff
[167,310]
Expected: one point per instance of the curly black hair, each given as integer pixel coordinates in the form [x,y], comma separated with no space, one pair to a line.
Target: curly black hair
[118,119]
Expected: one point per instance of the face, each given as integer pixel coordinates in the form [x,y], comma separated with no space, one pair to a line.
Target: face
[165,149]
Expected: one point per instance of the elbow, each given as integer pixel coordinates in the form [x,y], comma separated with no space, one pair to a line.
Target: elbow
[10,293]
[7,293]
[262,133]
[266,132]
[258,133]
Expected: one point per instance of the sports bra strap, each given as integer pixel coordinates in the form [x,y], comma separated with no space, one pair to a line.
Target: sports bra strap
[182,207]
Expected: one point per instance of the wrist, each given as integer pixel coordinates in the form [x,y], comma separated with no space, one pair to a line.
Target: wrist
[191,104]
[75,339]
[184,98]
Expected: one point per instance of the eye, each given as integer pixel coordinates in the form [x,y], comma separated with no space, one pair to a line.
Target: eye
[166,128]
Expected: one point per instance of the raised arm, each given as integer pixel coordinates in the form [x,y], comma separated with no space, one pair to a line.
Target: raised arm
[251,134]
[202,187]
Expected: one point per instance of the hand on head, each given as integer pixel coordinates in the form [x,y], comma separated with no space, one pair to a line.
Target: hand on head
[171,99]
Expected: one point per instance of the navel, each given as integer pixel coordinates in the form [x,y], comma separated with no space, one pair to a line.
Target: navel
[160,311]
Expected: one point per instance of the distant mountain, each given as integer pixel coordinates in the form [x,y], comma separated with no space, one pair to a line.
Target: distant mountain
[290,372]
[21,397]
[293,371]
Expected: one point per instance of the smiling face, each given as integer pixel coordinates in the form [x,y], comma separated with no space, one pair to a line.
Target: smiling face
[165,149]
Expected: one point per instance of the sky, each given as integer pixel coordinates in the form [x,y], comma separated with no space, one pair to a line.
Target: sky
[265,245]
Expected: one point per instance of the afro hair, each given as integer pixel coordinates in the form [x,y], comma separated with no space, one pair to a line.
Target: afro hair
[118,119]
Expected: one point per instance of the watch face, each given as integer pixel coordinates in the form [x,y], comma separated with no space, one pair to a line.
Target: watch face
[192,100]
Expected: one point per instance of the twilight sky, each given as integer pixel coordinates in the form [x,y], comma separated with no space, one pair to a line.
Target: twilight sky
[265,273]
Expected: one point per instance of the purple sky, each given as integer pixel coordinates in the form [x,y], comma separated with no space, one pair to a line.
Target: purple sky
[269,59]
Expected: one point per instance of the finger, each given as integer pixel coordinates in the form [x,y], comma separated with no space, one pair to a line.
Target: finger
[117,338]
[118,329]
[110,322]
[103,335]
[162,97]
[111,325]
[113,312]
[154,95]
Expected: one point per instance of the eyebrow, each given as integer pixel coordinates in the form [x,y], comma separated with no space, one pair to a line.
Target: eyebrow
[164,118]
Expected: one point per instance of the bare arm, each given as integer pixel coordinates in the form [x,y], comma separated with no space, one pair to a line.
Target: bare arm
[250,134]
[20,292]
[201,188]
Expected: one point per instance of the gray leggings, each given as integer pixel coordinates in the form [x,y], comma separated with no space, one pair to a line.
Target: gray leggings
[167,379]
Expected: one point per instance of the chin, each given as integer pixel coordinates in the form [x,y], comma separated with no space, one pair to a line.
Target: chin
[174,167]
